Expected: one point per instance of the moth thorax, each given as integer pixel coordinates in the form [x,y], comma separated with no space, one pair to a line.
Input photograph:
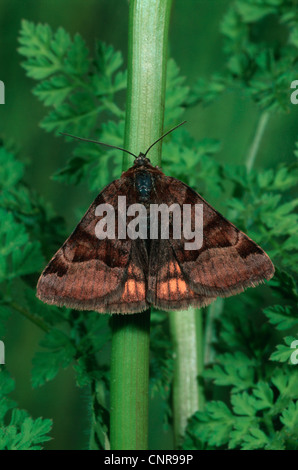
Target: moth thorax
[143,185]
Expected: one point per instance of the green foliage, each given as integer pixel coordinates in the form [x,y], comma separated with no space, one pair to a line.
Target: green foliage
[261,409]
[261,49]
[284,352]
[77,88]
[71,337]
[19,255]
[18,431]
[261,395]
[282,316]
[263,66]
[60,354]
[263,209]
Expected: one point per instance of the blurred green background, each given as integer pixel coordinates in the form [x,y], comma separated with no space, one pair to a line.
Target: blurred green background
[196,46]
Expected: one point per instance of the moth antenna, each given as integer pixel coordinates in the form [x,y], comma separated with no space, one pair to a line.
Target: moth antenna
[171,130]
[97,142]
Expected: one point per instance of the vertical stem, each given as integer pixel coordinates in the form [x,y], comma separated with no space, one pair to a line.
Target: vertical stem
[147,58]
[200,358]
[214,311]
[188,397]
[99,433]
[129,381]
[147,50]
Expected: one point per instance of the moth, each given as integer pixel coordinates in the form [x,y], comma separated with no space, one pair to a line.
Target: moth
[124,275]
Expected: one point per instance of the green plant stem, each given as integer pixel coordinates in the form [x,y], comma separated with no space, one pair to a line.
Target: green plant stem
[147,51]
[188,397]
[214,312]
[130,381]
[147,58]
[98,435]
[254,148]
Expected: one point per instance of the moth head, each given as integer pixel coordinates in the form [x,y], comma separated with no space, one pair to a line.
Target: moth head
[141,160]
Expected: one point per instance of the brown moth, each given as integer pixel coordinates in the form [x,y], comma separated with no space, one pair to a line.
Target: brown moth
[130,275]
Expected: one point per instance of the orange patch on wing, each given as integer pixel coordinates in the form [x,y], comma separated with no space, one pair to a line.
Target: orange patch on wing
[173,285]
[174,268]
[131,286]
[134,271]
[141,289]
[178,270]
[182,287]
[125,292]
[164,289]
[134,290]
